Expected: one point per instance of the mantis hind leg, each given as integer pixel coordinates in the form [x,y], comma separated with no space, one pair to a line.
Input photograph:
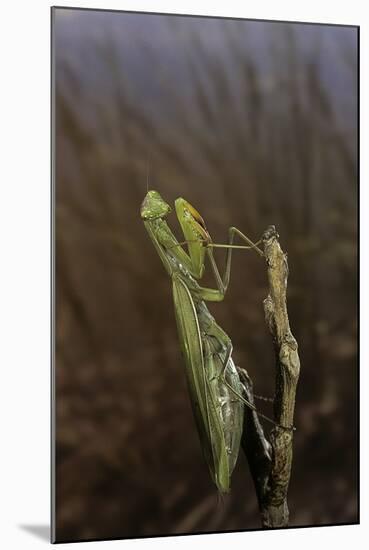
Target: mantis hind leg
[224,340]
[222,376]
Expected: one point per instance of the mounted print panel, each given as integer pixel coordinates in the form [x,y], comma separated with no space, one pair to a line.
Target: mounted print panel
[205,189]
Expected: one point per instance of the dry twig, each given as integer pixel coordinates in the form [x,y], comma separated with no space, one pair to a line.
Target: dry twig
[270,463]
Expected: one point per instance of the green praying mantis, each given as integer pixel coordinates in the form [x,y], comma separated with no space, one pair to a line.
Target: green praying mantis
[213,381]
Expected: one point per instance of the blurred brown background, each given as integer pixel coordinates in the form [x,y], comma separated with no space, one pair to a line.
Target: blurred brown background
[255,123]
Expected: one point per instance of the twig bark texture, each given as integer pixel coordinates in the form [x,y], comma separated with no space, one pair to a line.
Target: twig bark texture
[270,462]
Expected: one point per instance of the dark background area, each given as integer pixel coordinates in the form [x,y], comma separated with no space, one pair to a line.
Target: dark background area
[254,123]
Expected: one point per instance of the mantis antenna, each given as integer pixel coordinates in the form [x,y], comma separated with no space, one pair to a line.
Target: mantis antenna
[147,173]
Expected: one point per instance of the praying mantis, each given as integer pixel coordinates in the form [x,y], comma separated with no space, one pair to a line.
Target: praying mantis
[213,381]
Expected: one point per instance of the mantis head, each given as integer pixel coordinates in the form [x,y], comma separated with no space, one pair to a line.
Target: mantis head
[154,207]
